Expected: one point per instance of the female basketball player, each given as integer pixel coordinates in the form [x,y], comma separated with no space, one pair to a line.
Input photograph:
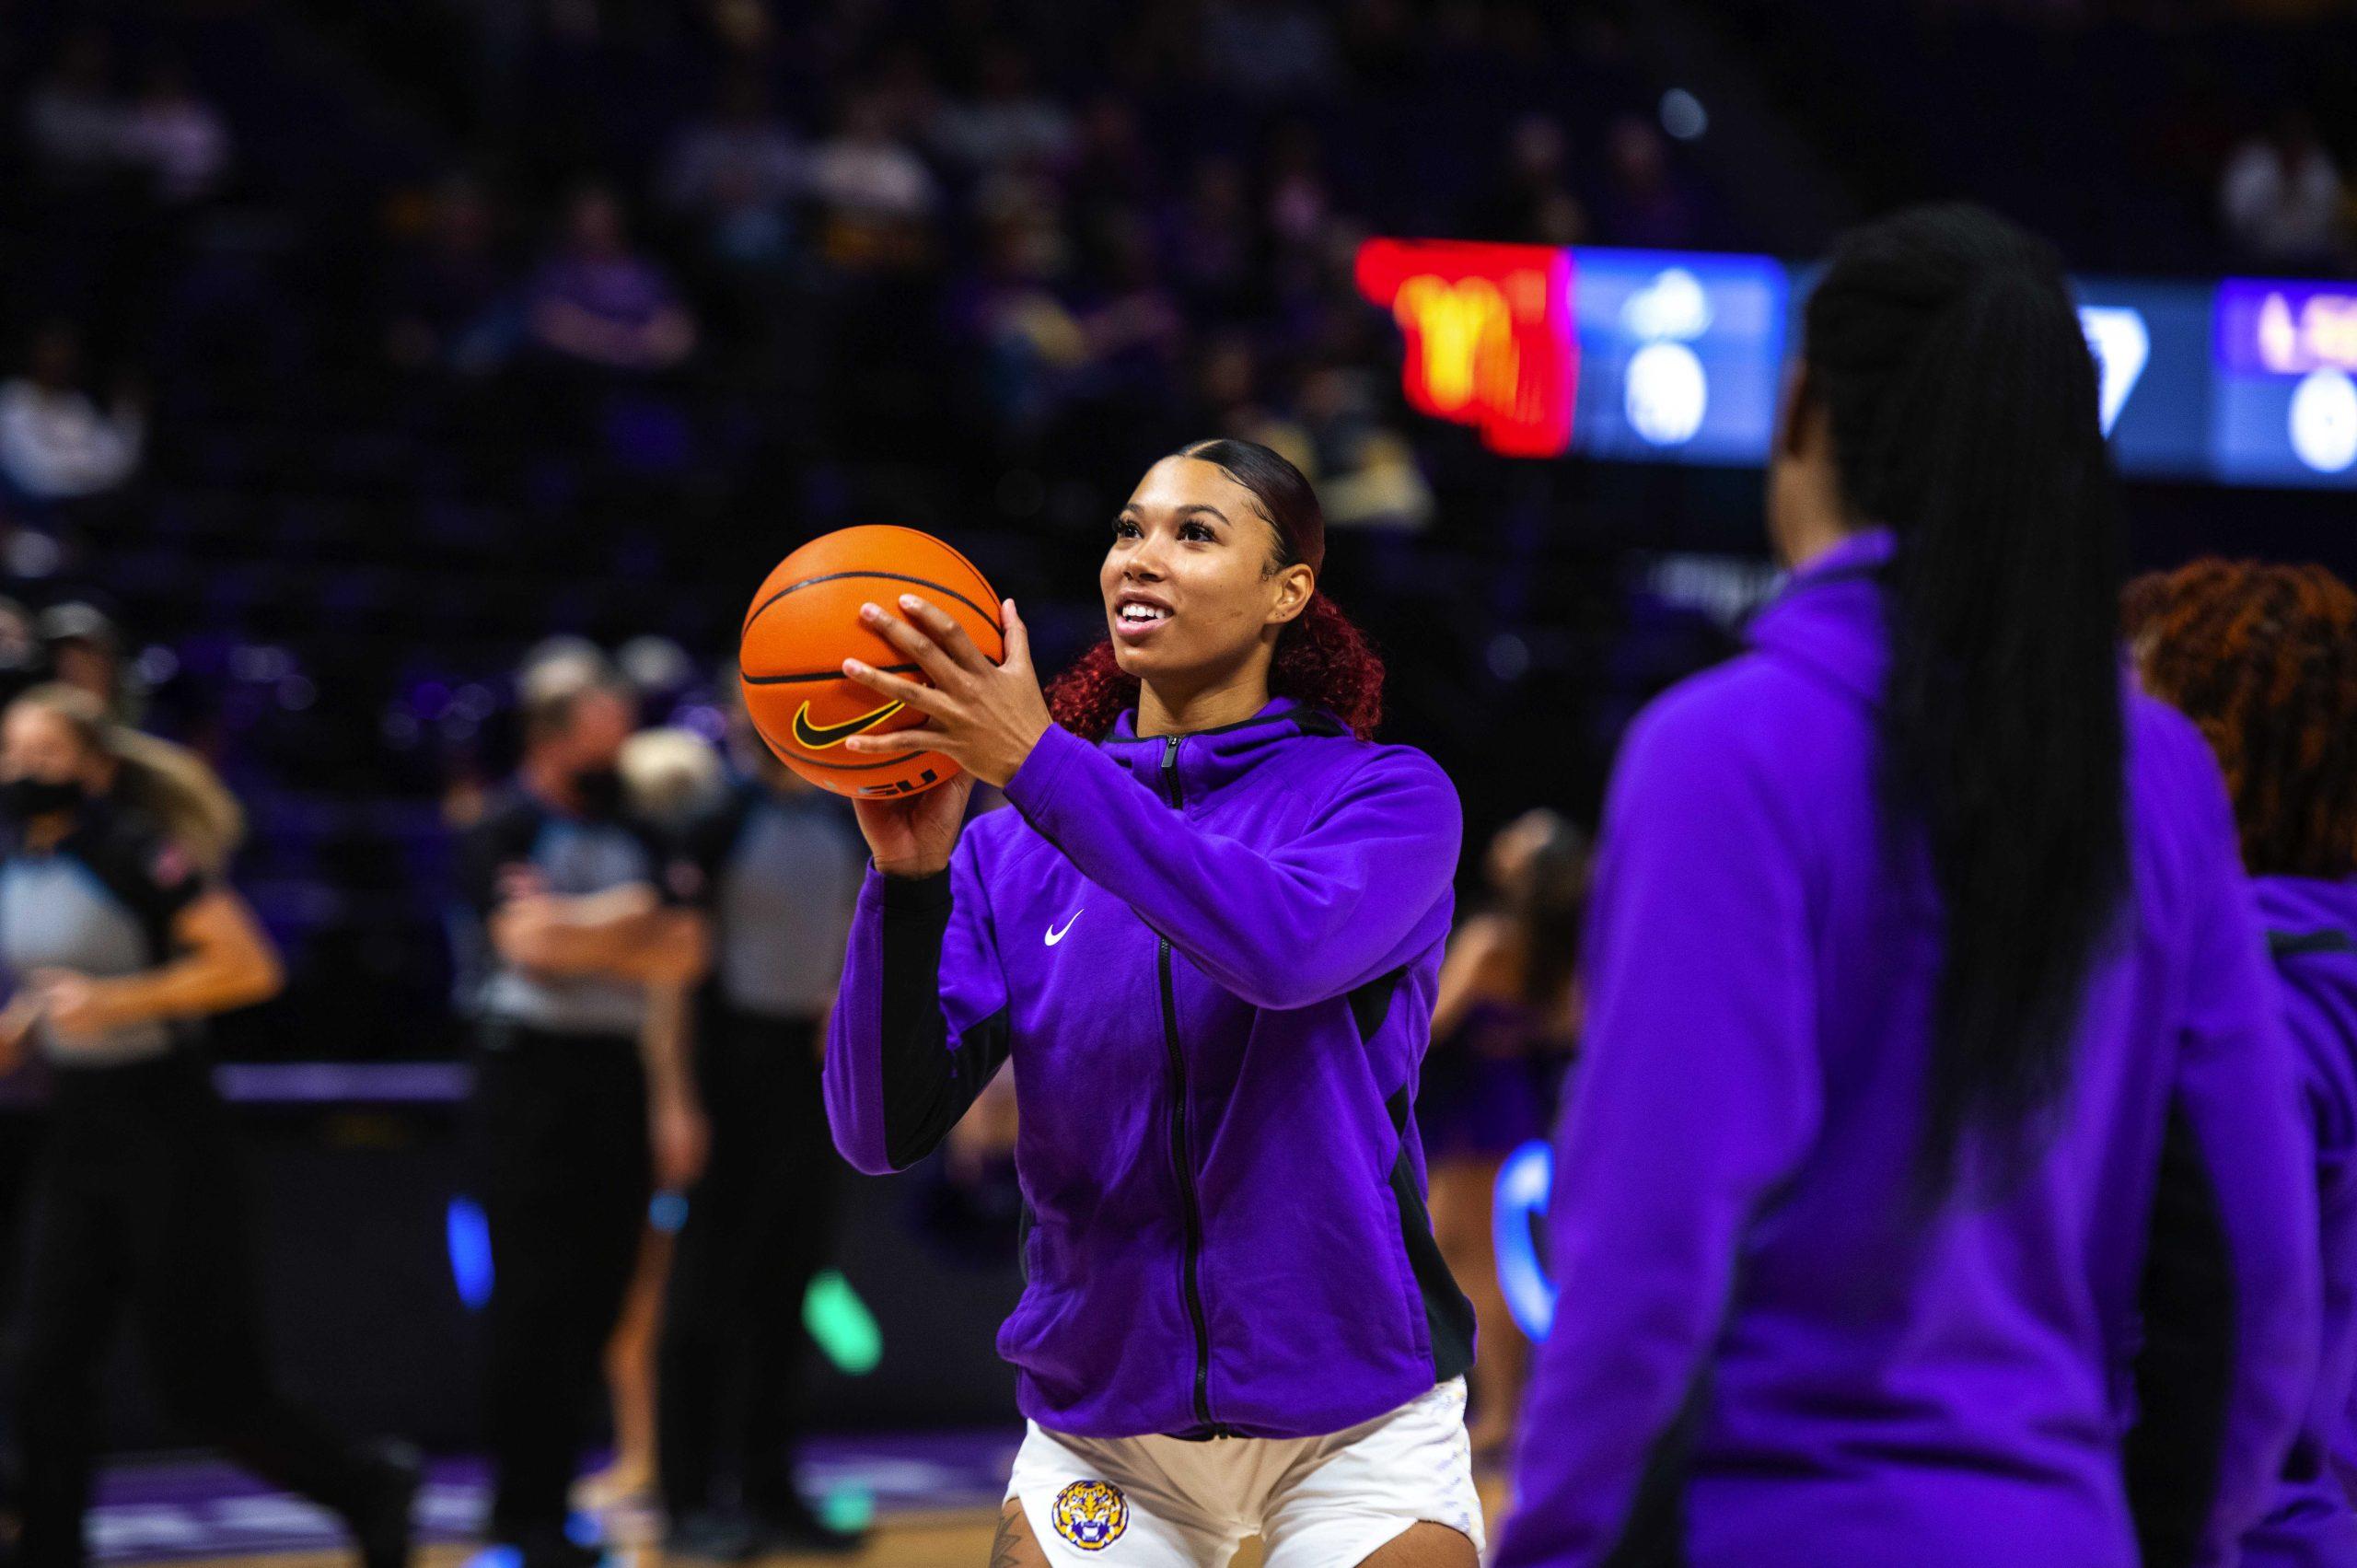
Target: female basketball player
[119,938]
[1503,1026]
[2264,658]
[1209,933]
[1916,943]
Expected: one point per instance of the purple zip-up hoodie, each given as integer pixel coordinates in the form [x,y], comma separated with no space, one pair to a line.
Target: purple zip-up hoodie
[2312,927]
[1213,958]
[1766,1354]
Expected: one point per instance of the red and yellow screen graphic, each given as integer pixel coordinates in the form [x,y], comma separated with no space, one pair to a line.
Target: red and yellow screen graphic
[1489,338]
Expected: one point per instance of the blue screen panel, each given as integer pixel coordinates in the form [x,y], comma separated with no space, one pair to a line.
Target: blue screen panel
[1681,355]
[2151,345]
[2285,408]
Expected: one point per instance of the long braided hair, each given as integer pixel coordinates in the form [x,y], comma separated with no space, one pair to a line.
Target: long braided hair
[2264,658]
[1943,346]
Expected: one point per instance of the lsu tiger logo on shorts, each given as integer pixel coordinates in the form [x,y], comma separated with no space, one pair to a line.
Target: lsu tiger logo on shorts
[1092,1514]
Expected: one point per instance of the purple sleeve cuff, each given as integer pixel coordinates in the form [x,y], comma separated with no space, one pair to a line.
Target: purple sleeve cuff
[1032,790]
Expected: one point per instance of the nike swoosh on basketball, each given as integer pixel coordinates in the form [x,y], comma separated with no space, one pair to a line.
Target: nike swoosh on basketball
[1054,936]
[818,738]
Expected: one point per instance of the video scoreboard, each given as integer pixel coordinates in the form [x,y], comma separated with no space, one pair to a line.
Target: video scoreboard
[1677,356]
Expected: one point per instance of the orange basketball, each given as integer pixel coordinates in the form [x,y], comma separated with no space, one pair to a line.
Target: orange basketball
[805,623]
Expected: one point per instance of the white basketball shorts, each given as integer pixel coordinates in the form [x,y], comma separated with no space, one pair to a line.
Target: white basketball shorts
[1316,1502]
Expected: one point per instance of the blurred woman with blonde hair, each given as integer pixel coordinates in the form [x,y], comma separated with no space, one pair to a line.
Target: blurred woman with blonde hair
[120,938]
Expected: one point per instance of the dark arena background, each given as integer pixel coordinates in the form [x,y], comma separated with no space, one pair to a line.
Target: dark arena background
[352,349]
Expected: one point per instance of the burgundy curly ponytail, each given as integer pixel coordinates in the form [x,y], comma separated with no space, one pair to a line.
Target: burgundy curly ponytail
[1322,660]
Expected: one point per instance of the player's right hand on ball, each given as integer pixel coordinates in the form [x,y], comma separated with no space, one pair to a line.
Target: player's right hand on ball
[912,835]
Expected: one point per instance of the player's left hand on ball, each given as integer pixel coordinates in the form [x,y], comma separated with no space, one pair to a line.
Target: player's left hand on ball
[984,717]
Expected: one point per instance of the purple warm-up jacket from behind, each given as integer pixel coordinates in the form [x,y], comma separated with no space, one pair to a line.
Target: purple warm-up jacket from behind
[1212,958]
[1768,1351]
[2312,930]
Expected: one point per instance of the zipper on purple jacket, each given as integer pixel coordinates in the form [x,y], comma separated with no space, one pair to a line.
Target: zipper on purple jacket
[1182,1153]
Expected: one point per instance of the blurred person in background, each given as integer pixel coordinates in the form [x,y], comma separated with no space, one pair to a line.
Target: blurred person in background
[2264,658]
[56,442]
[1007,119]
[743,149]
[877,198]
[121,937]
[781,862]
[1504,1020]
[1646,201]
[81,647]
[1923,997]
[576,1117]
[176,138]
[737,174]
[599,302]
[2282,198]
[1365,472]
[669,778]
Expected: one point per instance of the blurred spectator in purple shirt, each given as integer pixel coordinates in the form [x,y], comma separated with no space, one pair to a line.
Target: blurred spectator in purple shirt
[177,139]
[601,303]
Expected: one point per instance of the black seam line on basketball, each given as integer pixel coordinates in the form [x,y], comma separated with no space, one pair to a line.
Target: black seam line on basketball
[821,675]
[799,761]
[884,576]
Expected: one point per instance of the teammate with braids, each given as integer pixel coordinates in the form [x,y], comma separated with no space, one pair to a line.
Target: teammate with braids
[1919,950]
[1210,933]
[2264,659]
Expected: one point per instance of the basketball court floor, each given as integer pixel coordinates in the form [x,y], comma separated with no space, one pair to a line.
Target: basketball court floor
[932,1500]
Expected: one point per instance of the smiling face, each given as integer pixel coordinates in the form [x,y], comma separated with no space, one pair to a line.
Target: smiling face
[1194,594]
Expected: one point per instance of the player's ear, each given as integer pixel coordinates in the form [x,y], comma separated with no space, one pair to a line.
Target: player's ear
[1293,587]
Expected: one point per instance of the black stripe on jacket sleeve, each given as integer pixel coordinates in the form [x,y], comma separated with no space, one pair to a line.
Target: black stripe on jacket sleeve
[2186,1364]
[928,1083]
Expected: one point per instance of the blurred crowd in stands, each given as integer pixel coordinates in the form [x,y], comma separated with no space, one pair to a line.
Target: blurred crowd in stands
[346,350]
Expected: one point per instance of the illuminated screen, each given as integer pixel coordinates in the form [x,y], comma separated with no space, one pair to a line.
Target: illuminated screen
[1680,354]
[1677,358]
[2286,405]
[1488,333]
[2152,348]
